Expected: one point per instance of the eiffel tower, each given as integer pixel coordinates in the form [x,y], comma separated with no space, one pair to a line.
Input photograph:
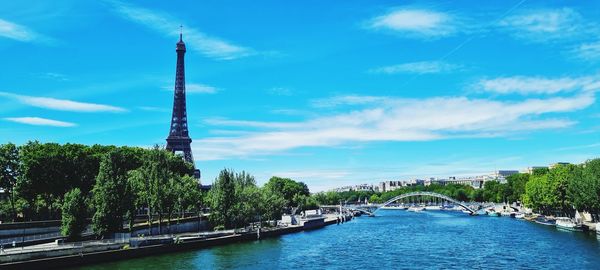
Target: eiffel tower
[179,139]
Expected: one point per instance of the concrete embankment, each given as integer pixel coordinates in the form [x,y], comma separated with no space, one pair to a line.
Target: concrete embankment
[60,258]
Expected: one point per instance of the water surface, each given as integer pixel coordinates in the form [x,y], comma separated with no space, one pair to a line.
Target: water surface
[397,239]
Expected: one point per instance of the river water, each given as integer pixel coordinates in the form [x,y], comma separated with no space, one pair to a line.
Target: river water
[396,239]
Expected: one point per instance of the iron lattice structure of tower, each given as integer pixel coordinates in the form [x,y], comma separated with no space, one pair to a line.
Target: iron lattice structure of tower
[179,139]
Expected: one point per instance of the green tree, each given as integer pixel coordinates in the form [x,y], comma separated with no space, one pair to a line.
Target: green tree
[222,199]
[560,178]
[113,193]
[477,195]
[516,186]
[494,191]
[272,204]
[538,193]
[9,173]
[288,188]
[42,175]
[189,195]
[584,191]
[74,213]
[306,202]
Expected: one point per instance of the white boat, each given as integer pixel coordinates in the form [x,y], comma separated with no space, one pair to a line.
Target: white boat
[416,209]
[566,223]
[433,207]
[520,215]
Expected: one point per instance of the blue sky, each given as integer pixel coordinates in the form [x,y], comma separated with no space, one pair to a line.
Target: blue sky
[327,92]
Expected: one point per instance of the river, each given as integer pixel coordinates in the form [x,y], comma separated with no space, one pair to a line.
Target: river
[397,239]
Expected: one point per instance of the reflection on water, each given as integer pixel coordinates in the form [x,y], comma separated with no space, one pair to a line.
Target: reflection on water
[399,240]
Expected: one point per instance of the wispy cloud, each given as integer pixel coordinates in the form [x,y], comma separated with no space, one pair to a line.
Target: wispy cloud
[210,46]
[54,76]
[38,121]
[281,91]
[62,104]
[424,67]
[568,148]
[538,85]
[201,88]
[547,24]
[394,119]
[196,88]
[588,51]
[350,100]
[153,109]
[417,23]
[21,33]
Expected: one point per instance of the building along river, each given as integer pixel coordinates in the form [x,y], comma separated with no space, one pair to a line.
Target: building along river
[399,240]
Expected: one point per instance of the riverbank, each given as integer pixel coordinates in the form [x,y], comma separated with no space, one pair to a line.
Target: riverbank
[52,255]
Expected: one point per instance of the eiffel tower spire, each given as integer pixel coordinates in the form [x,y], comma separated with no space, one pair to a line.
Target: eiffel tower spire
[179,139]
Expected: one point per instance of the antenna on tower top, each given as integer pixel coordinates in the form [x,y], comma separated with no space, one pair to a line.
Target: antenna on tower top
[180,32]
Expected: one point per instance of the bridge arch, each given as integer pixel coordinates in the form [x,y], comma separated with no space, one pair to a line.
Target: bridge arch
[426,193]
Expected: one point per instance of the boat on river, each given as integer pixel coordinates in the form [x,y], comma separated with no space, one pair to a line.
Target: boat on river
[520,215]
[507,214]
[566,223]
[544,220]
[416,209]
[492,213]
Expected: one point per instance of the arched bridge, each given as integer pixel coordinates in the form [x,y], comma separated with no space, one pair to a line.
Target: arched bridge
[371,209]
[426,193]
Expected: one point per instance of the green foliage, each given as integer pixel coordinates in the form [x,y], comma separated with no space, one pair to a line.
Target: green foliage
[222,198]
[113,193]
[584,191]
[306,202]
[9,173]
[516,186]
[563,188]
[49,170]
[288,188]
[328,198]
[74,213]
[494,191]
[272,204]
[235,200]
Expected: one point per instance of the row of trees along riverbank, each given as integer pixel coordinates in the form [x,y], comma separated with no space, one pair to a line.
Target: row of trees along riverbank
[109,184]
[560,190]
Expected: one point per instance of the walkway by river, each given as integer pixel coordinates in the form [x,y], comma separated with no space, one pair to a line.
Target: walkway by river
[398,240]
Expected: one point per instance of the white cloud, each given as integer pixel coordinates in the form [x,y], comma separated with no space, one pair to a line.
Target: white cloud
[424,67]
[200,88]
[588,51]
[281,91]
[394,119]
[252,124]
[54,76]
[347,100]
[417,23]
[547,24]
[20,33]
[37,121]
[196,88]
[153,109]
[578,147]
[62,104]
[538,85]
[212,47]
